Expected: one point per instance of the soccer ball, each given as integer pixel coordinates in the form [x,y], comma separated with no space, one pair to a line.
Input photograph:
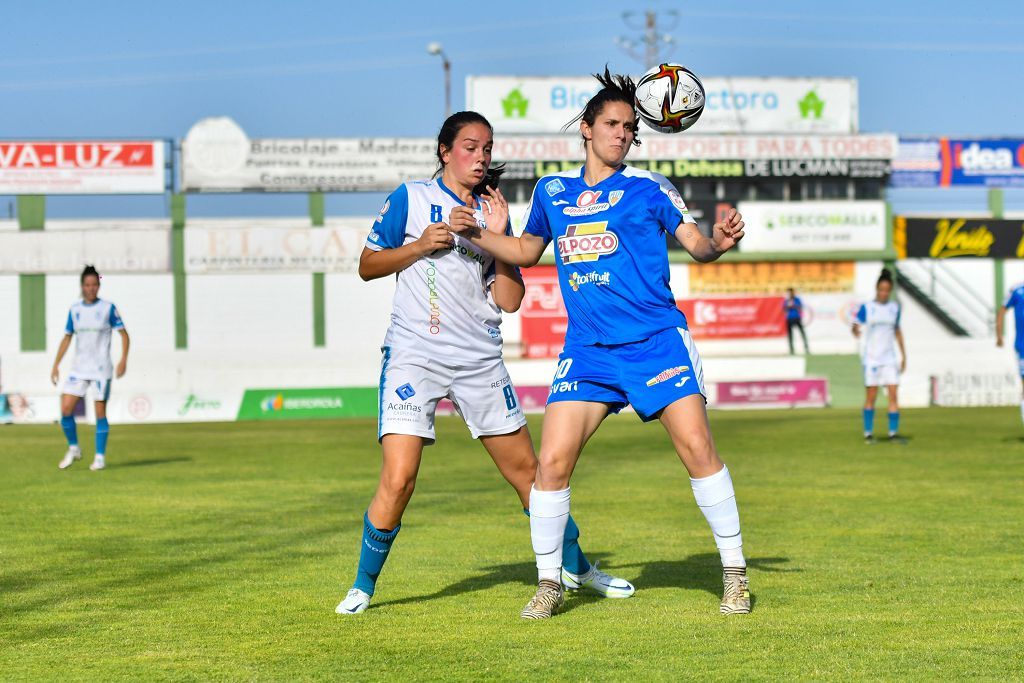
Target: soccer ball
[669,98]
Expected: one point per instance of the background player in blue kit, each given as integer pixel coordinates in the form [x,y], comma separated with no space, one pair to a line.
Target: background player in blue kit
[880,320]
[627,342]
[793,307]
[91,322]
[1015,301]
[444,341]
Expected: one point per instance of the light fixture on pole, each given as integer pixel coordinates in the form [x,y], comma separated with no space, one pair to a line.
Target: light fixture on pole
[435,49]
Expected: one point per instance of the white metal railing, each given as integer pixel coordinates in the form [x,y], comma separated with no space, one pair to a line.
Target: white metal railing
[960,300]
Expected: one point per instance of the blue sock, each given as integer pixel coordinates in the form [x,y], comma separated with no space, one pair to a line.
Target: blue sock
[869,420]
[373,553]
[573,559]
[894,422]
[102,431]
[67,423]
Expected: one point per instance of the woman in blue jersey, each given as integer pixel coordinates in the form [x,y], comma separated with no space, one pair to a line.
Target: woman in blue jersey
[881,334]
[1014,301]
[444,341]
[627,342]
[91,321]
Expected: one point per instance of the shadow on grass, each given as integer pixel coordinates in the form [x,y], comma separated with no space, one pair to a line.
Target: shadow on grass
[702,572]
[523,573]
[151,461]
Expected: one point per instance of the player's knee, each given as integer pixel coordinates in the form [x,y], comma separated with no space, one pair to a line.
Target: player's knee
[397,487]
[701,450]
[553,471]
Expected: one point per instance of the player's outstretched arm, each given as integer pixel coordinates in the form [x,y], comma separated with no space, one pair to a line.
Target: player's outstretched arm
[61,350]
[375,264]
[522,251]
[724,236]
[517,251]
[122,366]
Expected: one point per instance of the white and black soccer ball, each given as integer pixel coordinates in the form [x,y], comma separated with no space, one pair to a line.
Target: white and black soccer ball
[669,98]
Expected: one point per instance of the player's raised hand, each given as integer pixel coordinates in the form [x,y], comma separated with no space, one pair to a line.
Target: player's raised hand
[435,236]
[463,220]
[727,233]
[495,210]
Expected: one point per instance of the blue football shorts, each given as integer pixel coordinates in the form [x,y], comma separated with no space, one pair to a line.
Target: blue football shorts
[649,374]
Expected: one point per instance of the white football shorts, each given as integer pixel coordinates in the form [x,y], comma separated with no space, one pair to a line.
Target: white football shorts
[881,374]
[411,386]
[76,386]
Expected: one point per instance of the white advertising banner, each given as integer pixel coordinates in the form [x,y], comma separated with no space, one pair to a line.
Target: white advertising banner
[20,408]
[82,167]
[64,251]
[976,389]
[191,407]
[711,147]
[217,156]
[813,226]
[531,104]
[334,248]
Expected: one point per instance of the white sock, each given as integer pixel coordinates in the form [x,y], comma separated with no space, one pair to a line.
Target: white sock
[549,513]
[717,500]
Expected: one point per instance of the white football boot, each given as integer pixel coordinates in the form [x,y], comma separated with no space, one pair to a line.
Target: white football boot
[355,602]
[599,582]
[74,453]
[98,462]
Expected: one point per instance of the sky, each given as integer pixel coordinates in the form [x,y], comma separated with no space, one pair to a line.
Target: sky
[319,68]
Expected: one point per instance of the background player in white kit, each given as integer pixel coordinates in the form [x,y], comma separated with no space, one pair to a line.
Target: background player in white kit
[444,341]
[880,320]
[91,321]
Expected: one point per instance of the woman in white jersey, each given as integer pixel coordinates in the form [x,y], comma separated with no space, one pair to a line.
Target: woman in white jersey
[444,341]
[627,342]
[91,321]
[877,324]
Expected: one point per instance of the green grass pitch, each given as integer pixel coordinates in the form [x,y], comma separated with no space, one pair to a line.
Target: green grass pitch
[218,552]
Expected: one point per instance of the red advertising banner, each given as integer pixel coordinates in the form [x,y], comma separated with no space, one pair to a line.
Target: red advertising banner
[82,167]
[734,317]
[542,314]
[809,392]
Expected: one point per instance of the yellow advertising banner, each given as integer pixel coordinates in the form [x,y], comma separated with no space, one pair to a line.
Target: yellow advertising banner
[772,278]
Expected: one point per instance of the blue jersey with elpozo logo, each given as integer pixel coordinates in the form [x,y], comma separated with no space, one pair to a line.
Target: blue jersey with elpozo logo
[610,251]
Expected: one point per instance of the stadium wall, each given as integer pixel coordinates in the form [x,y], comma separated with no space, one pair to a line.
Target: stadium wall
[256,329]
